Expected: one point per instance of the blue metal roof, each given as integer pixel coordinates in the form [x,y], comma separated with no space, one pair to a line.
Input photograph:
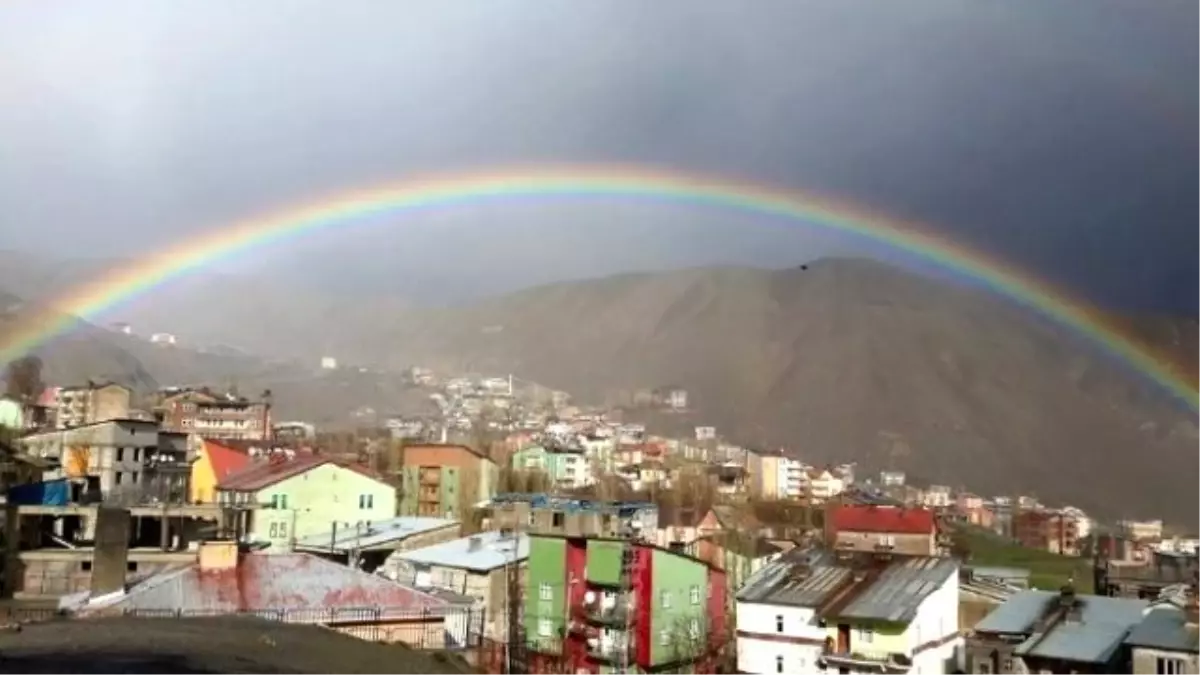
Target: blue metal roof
[377,534]
[1103,624]
[492,550]
[1165,627]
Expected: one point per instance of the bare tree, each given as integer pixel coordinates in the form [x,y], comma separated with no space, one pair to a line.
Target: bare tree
[23,379]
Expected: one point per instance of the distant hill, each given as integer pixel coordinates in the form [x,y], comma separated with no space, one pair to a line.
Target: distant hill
[846,360]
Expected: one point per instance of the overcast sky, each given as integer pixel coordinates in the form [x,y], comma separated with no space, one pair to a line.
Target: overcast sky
[1061,136]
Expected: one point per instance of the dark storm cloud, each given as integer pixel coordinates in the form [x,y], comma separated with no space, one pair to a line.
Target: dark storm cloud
[1059,135]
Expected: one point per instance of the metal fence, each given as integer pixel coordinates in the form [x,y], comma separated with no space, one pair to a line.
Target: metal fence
[449,628]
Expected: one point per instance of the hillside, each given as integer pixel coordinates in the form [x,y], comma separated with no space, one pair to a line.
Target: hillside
[845,360]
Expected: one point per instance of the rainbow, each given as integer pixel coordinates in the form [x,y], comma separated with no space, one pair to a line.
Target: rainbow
[91,299]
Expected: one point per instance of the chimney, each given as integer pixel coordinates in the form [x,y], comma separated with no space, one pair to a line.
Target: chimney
[219,555]
[111,553]
[474,544]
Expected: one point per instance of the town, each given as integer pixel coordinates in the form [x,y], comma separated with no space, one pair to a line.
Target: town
[525,533]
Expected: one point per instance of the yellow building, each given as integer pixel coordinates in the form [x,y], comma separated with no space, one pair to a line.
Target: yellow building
[213,463]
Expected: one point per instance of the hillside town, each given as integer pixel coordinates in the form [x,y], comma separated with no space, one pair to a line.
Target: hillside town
[528,533]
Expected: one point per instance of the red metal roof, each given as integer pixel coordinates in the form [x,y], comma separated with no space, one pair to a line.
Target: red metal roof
[275,581]
[263,474]
[224,459]
[872,518]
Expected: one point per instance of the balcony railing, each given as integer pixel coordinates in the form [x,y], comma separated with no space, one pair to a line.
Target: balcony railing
[869,661]
[616,615]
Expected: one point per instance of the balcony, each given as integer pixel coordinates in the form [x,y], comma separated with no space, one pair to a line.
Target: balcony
[607,613]
[610,647]
[864,661]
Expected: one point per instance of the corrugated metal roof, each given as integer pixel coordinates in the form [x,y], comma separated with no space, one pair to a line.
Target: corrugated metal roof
[900,589]
[273,581]
[260,475]
[1165,628]
[783,582]
[378,534]
[978,571]
[493,550]
[1103,623]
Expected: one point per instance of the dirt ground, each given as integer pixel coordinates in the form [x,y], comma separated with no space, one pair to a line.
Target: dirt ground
[216,645]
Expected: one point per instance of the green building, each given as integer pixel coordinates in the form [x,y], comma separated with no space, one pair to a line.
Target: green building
[611,605]
[445,480]
[307,495]
[565,467]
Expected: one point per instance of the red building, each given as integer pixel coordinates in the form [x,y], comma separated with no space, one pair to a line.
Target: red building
[1048,530]
[872,528]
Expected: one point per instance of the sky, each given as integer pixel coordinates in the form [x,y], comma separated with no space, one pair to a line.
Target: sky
[1058,136]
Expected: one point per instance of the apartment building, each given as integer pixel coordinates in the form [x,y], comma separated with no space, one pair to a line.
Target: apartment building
[815,610]
[1047,529]
[566,466]
[611,605]
[551,515]
[211,415]
[93,402]
[443,480]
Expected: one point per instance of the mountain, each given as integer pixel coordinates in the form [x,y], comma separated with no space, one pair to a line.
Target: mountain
[844,359]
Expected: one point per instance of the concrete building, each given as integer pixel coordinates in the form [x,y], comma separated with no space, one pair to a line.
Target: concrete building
[815,610]
[219,416]
[93,402]
[444,480]
[1165,640]
[118,461]
[307,495]
[477,566]
[214,462]
[884,529]
[547,514]
[578,600]
[1047,632]
[1047,529]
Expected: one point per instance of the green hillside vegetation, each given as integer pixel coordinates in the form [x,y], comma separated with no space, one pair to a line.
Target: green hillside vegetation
[1048,571]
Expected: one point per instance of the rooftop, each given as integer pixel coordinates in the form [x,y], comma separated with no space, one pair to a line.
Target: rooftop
[877,518]
[1102,624]
[224,459]
[1167,628]
[260,475]
[570,504]
[899,589]
[376,534]
[272,581]
[491,550]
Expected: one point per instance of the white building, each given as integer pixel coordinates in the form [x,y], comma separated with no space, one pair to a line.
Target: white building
[809,612]
[791,478]
[328,363]
[938,497]
[163,338]
[1083,523]
[824,485]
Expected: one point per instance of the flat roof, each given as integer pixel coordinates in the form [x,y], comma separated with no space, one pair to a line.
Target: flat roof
[376,534]
[492,550]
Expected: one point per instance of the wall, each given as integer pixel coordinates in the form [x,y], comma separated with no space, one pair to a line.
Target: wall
[1146,660]
[203,488]
[317,499]
[547,565]
[56,573]
[675,576]
[760,643]
[604,564]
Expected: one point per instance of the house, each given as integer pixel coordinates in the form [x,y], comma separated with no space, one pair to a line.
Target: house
[814,609]
[444,480]
[781,477]
[212,415]
[891,478]
[296,587]
[737,554]
[938,497]
[730,479]
[1044,631]
[117,461]
[580,589]
[1165,640]
[566,466]
[824,485]
[90,403]
[306,495]
[368,546]
[214,463]
[648,475]
[727,518]
[1142,530]
[872,528]
[477,566]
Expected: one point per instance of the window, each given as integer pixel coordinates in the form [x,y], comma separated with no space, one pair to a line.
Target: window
[779,664]
[694,629]
[1167,666]
[694,593]
[664,637]
[545,592]
[778,623]
[283,501]
[866,635]
[278,531]
[664,599]
[545,628]
[86,566]
[131,566]
[366,501]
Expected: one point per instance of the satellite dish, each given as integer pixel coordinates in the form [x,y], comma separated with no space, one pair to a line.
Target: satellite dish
[589,597]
